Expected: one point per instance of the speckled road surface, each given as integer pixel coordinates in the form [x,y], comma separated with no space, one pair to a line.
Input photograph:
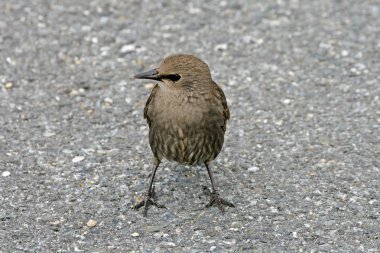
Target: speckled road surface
[301,160]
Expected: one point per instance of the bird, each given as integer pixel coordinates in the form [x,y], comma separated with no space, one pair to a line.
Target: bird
[187,113]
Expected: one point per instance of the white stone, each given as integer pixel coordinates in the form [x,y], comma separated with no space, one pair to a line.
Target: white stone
[5,174]
[128,48]
[91,223]
[345,53]
[78,159]
[253,169]
[48,134]
[221,47]
[8,85]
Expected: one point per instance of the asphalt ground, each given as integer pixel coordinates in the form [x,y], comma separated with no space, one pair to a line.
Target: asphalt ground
[301,160]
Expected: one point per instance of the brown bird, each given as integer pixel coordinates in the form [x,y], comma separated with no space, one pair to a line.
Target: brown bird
[187,114]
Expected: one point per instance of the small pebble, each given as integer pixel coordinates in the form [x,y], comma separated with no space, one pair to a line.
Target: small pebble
[6,174]
[253,169]
[221,47]
[273,209]
[247,39]
[259,41]
[91,223]
[108,102]
[170,244]
[48,134]
[11,61]
[230,242]
[344,53]
[135,234]
[78,159]
[193,10]
[74,93]
[128,48]
[8,85]
[56,222]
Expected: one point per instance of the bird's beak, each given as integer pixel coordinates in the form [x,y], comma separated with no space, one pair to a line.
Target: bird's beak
[151,74]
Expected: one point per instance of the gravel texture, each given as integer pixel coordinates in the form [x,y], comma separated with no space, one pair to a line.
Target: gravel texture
[302,157]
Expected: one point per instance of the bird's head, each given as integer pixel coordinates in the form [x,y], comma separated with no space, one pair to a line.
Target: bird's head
[179,70]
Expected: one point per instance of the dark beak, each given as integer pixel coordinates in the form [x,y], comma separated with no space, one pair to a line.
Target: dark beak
[151,74]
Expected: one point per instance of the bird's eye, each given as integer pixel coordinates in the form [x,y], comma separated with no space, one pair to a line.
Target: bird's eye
[172,77]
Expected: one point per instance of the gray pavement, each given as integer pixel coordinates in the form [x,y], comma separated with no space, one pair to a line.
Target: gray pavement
[301,160]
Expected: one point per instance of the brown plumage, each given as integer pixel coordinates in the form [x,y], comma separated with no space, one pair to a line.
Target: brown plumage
[187,114]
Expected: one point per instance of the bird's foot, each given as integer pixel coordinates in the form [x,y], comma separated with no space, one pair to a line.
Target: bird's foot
[216,200]
[146,202]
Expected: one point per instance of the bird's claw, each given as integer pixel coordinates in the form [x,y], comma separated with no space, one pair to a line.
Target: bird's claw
[146,202]
[216,200]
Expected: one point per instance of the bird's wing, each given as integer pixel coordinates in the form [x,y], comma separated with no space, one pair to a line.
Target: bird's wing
[152,94]
[226,111]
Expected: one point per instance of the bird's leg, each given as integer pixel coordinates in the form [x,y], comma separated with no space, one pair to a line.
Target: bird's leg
[150,194]
[215,199]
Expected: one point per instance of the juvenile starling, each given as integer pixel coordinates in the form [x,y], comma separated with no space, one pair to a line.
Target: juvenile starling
[187,114]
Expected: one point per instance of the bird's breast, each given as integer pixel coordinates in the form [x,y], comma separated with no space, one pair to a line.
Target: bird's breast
[185,129]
